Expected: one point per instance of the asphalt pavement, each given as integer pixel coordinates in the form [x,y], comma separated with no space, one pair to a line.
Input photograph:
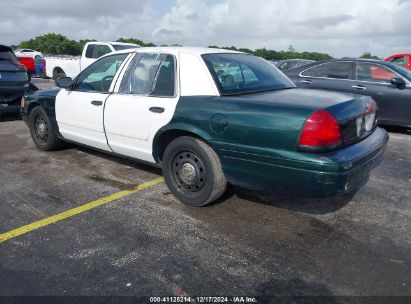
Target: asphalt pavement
[148,243]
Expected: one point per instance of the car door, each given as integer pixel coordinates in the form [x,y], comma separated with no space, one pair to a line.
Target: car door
[394,103]
[79,110]
[142,102]
[333,76]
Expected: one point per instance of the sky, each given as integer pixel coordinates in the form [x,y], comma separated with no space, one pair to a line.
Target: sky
[337,27]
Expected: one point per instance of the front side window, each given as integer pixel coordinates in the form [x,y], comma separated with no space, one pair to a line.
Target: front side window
[337,70]
[374,73]
[150,74]
[242,73]
[98,76]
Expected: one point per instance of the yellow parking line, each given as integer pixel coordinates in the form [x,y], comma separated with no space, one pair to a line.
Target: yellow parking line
[80,209]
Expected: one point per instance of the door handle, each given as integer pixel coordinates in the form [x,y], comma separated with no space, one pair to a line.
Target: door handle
[306,81]
[359,87]
[157,109]
[96,103]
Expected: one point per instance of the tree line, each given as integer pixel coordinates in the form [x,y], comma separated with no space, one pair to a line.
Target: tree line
[58,44]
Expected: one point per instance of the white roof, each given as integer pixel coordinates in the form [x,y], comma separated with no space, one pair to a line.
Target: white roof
[175,50]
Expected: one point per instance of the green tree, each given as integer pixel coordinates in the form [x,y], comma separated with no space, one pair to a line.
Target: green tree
[53,44]
[368,55]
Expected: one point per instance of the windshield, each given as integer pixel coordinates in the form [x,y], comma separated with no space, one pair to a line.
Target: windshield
[242,73]
[120,47]
[403,71]
[8,56]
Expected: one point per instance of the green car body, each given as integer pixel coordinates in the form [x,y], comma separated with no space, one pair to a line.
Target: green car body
[256,138]
[250,126]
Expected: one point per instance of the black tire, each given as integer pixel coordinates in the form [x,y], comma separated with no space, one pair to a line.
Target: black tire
[193,171]
[57,76]
[42,130]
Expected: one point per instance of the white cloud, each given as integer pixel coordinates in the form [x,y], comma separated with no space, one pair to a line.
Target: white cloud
[341,28]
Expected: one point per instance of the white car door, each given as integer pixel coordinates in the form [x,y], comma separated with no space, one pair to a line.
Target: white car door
[142,103]
[79,111]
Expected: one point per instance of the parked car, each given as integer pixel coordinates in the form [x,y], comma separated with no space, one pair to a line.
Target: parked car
[14,82]
[59,66]
[29,53]
[387,83]
[170,108]
[28,62]
[403,60]
[285,65]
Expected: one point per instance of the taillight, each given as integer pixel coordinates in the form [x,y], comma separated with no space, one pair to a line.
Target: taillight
[19,65]
[370,115]
[321,131]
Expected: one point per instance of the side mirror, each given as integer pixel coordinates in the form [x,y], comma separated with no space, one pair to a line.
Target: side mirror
[398,82]
[64,82]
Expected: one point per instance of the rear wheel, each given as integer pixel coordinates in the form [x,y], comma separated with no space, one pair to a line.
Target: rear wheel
[42,131]
[193,171]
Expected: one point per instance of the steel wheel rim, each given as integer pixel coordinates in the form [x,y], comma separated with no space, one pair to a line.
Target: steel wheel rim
[41,129]
[188,172]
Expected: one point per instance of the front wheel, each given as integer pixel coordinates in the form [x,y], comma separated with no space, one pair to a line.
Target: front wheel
[193,171]
[43,133]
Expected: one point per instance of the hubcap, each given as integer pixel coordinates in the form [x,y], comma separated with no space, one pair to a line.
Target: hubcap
[41,129]
[188,172]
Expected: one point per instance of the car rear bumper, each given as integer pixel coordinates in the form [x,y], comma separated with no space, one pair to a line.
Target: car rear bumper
[11,93]
[307,174]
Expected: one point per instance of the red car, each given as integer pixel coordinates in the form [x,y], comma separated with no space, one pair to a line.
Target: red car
[403,60]
[28,62]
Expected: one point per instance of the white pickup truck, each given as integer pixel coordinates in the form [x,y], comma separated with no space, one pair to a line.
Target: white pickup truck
[71,66]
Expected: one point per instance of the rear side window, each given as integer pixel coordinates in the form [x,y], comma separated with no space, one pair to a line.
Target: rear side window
[402,61]
[95,51]
[337,70]
[90,50]
[101,50]
[374,73]
[150,74]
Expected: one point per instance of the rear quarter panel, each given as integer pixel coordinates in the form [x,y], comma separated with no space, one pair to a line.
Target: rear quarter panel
[229,123]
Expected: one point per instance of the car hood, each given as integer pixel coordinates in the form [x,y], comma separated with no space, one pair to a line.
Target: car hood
[51,92]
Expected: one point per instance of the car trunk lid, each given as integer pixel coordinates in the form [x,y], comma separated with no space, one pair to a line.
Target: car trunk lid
[356,115]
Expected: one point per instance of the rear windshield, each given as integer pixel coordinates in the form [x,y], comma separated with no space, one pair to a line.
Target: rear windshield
[8,56]
[242,74]
[120,47]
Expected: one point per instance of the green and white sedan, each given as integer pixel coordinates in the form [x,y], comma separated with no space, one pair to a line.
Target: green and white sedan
[175,108]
